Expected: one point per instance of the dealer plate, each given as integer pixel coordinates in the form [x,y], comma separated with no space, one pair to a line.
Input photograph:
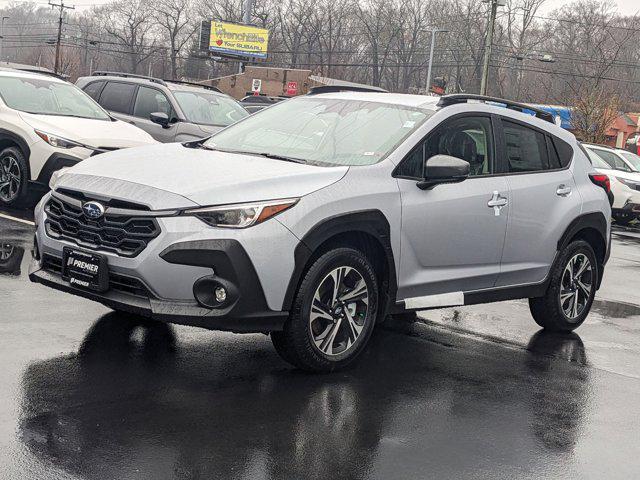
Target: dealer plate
[85,270]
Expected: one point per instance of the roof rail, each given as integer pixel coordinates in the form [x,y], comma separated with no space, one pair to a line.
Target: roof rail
[344,88]
[456,98]
[194,84]
[128,75]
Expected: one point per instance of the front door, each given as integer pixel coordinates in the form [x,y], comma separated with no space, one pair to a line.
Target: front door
[151,100]
[453,234]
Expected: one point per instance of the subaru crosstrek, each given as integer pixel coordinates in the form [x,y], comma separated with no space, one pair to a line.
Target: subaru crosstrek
[316,218]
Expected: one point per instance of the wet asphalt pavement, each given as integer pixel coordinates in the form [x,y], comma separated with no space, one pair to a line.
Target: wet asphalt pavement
[475,392]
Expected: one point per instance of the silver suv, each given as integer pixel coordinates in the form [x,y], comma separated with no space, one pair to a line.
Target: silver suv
[317,217]
[168,110]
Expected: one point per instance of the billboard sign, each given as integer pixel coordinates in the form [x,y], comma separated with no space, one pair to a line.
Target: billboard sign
[235,40]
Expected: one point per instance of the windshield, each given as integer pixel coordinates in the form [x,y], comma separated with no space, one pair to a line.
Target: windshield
[323,131]
[209,109]
[46,97]
[633,159]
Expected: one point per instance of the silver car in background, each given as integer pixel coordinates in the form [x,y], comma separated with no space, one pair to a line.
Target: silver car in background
[168,110]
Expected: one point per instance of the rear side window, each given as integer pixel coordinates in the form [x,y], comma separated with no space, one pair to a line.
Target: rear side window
[612,159]
[565,151]
[94,89]
[117,96]
[526,149]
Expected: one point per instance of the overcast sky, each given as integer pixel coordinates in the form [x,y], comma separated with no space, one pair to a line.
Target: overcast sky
[627,7]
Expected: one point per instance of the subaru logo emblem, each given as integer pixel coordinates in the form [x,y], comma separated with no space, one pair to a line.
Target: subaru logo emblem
[93,210]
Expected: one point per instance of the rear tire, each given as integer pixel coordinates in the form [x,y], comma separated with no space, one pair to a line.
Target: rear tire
[572,288]
[333,313]
[14,177]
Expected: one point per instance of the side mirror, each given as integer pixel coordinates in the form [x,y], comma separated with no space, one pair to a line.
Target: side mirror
[444,169]
[160,118]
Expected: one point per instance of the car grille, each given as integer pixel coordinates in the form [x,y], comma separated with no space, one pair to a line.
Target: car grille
[121,283]
[124,235]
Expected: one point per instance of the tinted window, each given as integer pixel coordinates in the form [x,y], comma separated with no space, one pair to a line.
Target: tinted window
[150,100]
[93,89]
[554,159]
[117,96]
[565,151]
[468,138]
[526,148]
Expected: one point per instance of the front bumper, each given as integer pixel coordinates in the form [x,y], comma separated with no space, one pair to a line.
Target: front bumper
[173,278]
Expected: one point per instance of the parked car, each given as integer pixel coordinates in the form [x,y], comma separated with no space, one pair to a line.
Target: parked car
[315,230]
[169,110]
[255,103]
[47,123]
[625,189]
[617,158]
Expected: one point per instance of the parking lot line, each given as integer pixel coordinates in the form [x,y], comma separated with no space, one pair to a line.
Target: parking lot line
[16,219]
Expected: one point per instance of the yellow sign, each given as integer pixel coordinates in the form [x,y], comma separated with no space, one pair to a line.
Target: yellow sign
[238,40]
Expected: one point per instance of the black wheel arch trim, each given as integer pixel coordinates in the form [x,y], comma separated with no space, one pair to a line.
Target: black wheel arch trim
[56,161]
[595,221]
[20,142]
[372,222]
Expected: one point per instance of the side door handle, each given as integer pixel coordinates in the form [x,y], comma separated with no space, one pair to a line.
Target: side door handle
[563,190]
[497,202]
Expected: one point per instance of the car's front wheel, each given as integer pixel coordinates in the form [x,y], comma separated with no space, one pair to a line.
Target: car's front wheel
[13,176]
[333,313]
[572,288]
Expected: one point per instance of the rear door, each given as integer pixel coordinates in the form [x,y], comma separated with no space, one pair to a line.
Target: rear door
[544,200]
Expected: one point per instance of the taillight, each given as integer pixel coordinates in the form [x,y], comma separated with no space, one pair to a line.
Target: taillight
[601,181]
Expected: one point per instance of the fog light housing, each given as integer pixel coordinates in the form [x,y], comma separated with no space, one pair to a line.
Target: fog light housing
[221,294]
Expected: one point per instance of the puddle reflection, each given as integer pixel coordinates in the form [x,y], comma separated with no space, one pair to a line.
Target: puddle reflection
[129,404]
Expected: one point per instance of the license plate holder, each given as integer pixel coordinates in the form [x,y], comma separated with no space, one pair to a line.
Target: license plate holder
[85,270]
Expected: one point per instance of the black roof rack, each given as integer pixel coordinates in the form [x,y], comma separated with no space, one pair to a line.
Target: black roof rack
[344,88]
[128,75]
[194,84]
[456,98]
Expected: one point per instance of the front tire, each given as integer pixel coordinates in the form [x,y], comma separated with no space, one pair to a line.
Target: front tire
[571,290]
[13,177]
[333,313]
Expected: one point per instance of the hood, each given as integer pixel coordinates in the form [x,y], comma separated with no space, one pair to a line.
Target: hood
[94,133]
[206,177]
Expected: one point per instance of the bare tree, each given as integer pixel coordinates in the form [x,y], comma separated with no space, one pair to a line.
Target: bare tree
[176,26]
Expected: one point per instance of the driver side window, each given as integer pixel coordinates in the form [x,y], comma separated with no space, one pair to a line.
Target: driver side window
[467,138]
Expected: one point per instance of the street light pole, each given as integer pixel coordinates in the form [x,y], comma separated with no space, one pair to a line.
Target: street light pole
[488,44]
[433,42]
[246,19]
[2,35]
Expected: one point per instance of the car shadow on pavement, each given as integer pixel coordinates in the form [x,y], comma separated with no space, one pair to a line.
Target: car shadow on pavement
[136,403]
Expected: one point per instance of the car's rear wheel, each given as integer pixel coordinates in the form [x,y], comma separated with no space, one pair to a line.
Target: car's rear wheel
[333,313]
[13,176]
[572,288]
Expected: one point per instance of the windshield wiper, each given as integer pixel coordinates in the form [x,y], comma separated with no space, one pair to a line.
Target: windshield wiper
[276,157]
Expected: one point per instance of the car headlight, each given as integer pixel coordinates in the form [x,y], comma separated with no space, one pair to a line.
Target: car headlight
[241,215]
[55,176]
[56,141]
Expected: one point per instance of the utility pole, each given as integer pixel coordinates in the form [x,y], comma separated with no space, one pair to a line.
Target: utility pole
[2,35]
[246,19]
[433,42]
[62,8]
[488,44]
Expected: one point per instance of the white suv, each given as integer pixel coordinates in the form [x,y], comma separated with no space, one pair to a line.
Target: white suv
[47,124]
[315,218]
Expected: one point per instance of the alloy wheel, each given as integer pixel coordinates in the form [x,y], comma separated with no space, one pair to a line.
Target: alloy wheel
[339,311]
[576,286]
[10,178]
